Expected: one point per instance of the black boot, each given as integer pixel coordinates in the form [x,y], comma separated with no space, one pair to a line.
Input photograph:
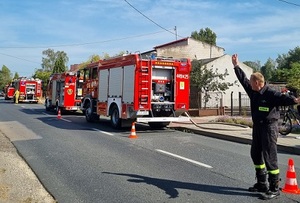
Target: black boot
[261,185]
[274,187]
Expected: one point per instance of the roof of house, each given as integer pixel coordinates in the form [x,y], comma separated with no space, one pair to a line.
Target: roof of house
[208,60]
[173,42]
[181,40]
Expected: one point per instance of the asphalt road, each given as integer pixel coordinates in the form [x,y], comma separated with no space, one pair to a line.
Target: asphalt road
[90,162]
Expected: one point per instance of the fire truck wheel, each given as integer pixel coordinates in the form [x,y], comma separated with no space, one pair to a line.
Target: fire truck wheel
[158,125]
[56,109]
[47,105]
[115,119]
[89,113]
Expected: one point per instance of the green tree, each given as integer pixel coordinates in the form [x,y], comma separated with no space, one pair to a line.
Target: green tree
[205,35]
[93,58]
[48,62]
[255,65]
[5,76]
[284,65]
[16,75]
[268,69]
[44,76]
[59,65]
[282,62]
[293,81]
[105,56]
[280,75]
[285,61]
[208,80]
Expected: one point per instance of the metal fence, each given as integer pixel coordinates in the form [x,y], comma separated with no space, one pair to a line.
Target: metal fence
[239,106]
[215,100]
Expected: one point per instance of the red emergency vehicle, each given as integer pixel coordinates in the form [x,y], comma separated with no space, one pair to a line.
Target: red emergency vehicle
[90,91]
[9,92]
[129,88]
[30,89]
[64,91]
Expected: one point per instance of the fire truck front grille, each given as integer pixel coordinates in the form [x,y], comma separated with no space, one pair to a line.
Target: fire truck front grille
[29,96]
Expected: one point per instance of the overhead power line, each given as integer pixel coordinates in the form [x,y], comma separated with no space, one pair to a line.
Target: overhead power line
[290,3]
[150,19]
[19,58]
[80,44]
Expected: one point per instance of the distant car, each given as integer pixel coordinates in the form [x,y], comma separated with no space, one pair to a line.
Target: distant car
[1,94]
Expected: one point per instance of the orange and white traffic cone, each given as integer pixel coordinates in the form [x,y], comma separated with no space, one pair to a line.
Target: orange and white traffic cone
[291,185]
[59,114]
[133,133]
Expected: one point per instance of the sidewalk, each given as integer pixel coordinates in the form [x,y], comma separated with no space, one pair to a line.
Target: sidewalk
[231,132]
[17,181]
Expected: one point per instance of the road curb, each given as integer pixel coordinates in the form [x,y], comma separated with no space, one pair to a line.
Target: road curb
[240,139]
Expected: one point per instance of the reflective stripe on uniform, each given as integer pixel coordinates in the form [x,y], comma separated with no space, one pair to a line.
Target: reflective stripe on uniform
[262,108]
[274,172]
[262,166]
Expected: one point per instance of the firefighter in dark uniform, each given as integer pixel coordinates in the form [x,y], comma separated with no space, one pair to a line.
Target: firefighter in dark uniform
[264,103]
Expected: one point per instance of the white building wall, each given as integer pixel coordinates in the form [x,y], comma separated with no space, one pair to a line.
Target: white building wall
[223,63]
[190,48]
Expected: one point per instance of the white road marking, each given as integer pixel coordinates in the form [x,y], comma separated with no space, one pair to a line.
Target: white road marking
[185,159]
[104,132]
[66,120]
[58,119]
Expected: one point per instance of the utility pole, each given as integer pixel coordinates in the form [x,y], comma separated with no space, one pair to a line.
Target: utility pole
[175,29]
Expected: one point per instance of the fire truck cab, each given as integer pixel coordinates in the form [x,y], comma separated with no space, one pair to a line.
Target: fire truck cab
[129,88]
[64,92]
[90,92]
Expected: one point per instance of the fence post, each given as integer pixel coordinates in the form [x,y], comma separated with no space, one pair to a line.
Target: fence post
[240,103]
[231,102]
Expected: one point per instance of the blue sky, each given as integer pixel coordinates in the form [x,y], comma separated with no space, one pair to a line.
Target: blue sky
[256,30]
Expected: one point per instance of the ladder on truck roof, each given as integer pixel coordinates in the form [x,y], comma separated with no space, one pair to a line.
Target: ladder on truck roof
[144,85]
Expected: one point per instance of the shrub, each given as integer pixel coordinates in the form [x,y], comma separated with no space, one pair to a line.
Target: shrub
[247,121]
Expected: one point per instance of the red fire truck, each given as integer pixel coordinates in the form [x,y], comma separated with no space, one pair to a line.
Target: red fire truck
[9,92]
[64,91]
[129,88]
[30,89]
[89,91]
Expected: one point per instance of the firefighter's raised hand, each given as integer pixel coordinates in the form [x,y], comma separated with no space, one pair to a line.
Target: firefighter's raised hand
[235,60]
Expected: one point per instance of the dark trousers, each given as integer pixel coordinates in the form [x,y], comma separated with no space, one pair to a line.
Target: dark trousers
[264,144]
